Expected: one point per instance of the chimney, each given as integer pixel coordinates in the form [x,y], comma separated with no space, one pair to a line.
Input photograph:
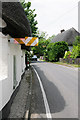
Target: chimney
[62,30]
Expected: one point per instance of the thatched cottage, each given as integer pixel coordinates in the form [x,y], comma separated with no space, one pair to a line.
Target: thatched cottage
[67,36]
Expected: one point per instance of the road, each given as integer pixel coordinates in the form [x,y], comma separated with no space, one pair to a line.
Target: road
[60,84]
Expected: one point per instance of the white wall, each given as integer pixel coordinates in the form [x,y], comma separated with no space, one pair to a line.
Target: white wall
[14,49]
[7,50]
[3,65]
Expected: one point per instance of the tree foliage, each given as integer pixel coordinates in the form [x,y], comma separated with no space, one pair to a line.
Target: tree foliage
[57,50]
[51,38]
[30,15]
[76,48]
[76,51]
[67,54]
[41,34]
[40,50]
[77,40]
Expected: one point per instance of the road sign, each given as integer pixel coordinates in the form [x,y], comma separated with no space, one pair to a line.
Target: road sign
[28,41]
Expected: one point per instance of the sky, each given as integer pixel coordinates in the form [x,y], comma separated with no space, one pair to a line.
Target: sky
[55,15]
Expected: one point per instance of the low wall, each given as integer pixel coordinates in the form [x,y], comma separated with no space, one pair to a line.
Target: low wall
[70,60]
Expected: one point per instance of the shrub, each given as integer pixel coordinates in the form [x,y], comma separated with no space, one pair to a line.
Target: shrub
[77,40]
[67,54]
[76,51]
[57,50]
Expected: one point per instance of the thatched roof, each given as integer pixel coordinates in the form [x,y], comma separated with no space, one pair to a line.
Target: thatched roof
[67,36]
[17,23]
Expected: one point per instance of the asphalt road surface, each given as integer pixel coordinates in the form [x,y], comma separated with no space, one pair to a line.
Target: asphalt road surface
[60,84]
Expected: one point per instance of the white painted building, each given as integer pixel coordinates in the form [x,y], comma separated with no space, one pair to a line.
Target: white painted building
[12,64]
[12,56]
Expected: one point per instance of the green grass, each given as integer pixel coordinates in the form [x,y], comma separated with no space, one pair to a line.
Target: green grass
[67,64]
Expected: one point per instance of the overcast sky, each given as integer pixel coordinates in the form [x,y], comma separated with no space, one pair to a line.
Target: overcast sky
[55,15]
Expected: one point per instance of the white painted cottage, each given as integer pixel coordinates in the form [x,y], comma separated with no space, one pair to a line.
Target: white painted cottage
[14,24]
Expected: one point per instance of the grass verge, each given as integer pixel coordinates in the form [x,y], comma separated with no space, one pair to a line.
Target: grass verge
[67,64]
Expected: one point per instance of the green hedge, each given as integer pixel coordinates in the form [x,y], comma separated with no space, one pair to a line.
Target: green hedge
[57,50]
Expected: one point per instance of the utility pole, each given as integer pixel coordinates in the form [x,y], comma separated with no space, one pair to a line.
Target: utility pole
[79,16]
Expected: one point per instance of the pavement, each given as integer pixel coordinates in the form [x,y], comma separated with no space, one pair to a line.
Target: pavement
[21,103]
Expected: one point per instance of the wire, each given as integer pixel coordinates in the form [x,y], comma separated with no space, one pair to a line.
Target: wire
[60,17]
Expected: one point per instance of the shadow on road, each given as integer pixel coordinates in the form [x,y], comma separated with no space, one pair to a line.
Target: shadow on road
[54,97]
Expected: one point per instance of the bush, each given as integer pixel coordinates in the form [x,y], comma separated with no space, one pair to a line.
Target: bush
[76,51]
[67,54]
[57,50]
[76,48]
[77,40]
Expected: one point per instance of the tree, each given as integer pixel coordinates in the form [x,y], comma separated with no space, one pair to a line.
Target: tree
[51,38]
[30,15]
[67,54]
[76,51]
[76,48]
[50,46]
[77,40]
[40,50]
[41,34]
[57,50]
